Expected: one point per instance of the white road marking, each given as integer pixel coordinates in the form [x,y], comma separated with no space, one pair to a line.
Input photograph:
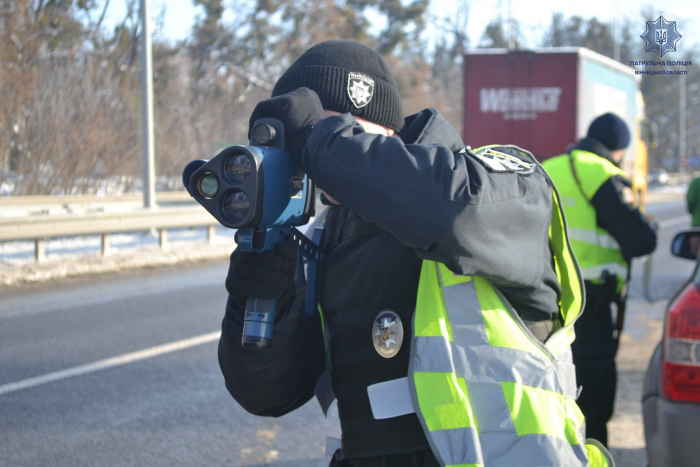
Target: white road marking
[111,362]
[674,221]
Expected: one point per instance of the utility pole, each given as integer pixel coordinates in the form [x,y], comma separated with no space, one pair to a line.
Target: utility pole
[511,25]
[681,120]
[616,32]
[149,165]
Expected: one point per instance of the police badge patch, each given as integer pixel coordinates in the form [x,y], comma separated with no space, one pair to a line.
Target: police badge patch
[387,333]
[360,89]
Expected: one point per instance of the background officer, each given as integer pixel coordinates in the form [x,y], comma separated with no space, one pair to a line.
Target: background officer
[407,208]
[693,201]
[606,231]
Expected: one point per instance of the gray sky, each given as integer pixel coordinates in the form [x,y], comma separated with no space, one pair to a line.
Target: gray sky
[534,17]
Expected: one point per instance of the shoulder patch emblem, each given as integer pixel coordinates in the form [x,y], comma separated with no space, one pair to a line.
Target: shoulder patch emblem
[500,162]
[628,195]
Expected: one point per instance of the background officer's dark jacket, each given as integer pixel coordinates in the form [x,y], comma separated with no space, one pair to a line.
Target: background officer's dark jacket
[401,203]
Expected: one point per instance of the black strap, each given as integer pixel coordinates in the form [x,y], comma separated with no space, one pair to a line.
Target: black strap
[621,300]
[576,179]
[621,303]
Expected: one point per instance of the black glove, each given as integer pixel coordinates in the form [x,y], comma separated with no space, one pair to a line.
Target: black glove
[298,110]
[268,274]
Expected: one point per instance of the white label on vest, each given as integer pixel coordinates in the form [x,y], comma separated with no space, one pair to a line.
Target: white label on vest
[390,399]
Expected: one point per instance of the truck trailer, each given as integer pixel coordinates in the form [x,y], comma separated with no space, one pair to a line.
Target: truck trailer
[544,100]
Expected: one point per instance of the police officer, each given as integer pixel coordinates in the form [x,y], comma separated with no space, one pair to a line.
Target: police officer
[446,308]
[606,230]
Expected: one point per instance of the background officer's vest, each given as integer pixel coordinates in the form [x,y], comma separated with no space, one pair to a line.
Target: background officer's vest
[486,391]
[596,250]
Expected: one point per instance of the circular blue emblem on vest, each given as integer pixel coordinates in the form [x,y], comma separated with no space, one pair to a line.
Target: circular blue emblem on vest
[387,333]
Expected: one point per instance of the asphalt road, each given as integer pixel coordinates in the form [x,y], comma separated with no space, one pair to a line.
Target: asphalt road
[668,272]
[65,400]
[643,329]
[171,409]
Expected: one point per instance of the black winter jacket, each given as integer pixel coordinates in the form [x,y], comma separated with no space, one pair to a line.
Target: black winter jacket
[403,200]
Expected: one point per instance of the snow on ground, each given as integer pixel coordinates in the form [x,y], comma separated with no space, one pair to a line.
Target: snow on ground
[661,194]
[79,256]
[76,256]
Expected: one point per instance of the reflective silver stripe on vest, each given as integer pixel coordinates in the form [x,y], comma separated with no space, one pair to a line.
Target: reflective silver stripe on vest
[596,272]
[457,446]
[595,238]
[503,364]
[484,368]
[495,434]
[502,449]
[487,363]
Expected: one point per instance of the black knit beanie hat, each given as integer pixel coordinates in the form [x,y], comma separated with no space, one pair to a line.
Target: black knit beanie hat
[348,77]
[611,131]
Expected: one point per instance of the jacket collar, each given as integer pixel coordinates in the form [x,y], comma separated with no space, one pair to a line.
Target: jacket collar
[596,147]
[428,127]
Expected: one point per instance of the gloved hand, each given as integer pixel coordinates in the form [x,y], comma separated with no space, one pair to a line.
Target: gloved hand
[298,110]
[268,274]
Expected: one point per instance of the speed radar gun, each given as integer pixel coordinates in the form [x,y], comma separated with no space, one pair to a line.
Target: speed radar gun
[259,190]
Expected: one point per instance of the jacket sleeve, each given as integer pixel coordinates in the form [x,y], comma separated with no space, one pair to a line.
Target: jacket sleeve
[445,205]
[277,379]
[618,216]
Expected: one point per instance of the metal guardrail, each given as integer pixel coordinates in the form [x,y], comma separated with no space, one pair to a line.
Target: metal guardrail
[22,206]
[161,196]
[39,228]
[677,178]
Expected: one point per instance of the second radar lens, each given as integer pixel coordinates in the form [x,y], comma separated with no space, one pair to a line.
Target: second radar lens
[238,169]
[208,185]
[237,207]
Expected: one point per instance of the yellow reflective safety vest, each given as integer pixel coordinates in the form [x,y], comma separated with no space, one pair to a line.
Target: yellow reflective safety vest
[486,391]
[596,250]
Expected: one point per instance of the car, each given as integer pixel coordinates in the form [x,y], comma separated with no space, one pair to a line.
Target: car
[657,177]
[671,396]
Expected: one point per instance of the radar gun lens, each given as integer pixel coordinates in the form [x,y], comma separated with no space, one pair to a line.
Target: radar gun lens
[238,169]
[208,185]
[237,207]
